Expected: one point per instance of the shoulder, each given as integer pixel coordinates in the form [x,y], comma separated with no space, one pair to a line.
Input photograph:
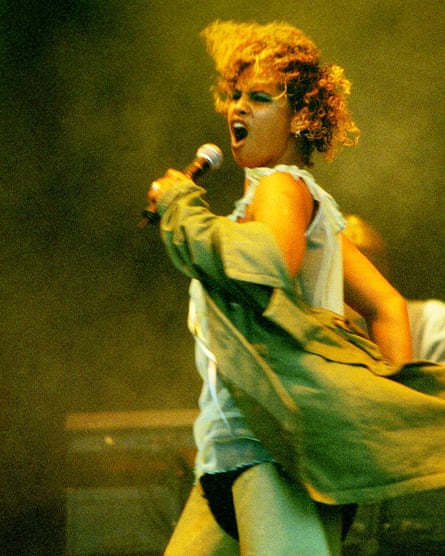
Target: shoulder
[283,185]
[286,193]
[281,178]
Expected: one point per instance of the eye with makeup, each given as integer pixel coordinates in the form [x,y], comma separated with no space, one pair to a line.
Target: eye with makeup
[254,96]
[260,96]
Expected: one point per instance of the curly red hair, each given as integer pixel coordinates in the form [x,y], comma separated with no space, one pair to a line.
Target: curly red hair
[317,93]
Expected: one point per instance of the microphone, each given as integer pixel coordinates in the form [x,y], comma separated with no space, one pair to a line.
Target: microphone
[207,157]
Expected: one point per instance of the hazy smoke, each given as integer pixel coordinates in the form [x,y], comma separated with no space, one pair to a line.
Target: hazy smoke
[98,99]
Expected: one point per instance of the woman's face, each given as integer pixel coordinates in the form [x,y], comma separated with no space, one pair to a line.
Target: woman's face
[259,118]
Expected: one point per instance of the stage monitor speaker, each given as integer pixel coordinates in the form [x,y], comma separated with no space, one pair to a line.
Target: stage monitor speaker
[128,477]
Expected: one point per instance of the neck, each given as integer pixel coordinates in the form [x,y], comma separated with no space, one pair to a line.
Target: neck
[299,159]
[293,156]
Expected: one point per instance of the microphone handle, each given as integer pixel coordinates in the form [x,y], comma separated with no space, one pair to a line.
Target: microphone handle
[148,217]
[198,167]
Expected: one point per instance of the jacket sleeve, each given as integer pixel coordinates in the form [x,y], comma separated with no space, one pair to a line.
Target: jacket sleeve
[215,249]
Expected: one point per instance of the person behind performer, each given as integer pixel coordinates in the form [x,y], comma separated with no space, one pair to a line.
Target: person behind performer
[426,316]
[282,105]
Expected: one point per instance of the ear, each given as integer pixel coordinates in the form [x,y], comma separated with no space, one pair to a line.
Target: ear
[297,124]
[299,121]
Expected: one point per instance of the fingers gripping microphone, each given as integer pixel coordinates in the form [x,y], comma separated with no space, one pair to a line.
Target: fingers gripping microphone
[208,157]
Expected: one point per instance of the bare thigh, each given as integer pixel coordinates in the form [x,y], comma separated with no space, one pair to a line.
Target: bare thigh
[197,532]
[277,517]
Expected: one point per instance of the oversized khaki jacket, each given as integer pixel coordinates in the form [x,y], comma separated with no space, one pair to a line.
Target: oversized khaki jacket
[348,424]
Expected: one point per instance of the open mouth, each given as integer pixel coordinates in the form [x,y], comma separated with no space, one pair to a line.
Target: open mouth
[239,131]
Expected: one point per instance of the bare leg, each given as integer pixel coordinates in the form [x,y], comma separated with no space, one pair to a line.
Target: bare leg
[277,518]
[197,532]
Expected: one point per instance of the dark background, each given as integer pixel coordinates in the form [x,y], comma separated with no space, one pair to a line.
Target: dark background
[98,98]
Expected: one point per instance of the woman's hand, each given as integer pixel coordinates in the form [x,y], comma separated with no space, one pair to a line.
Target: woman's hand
[161,186]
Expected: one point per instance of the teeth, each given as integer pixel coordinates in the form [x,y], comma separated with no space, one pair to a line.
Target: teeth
[239,130]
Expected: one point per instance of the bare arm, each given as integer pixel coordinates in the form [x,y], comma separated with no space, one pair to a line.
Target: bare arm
[379,303]
[285,206]
[281,202]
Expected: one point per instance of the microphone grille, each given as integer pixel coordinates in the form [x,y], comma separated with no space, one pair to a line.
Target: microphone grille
[212,153]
